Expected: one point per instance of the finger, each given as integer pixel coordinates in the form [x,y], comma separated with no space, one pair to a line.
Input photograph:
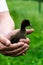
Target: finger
[22,52]
[19,49]
[17,55]
[2,47]
[29,31]
[16,51]
[14,46]
[25,40]
[14,55]
[4,40]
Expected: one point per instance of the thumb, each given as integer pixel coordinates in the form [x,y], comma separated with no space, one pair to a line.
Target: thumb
[29,31]
[12,33]
[4,40]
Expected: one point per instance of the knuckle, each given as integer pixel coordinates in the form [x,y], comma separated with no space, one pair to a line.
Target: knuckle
[25,45]
[22,43]
[8,44]
[25,50]
[28,40]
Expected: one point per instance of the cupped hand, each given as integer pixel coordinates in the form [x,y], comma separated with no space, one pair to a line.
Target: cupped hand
[19,51]
[8,49]
[15,49]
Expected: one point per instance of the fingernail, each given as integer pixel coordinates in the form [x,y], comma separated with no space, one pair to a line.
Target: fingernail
[23,53]
[32,29]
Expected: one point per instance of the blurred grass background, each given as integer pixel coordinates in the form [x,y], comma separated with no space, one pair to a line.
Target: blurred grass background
[20,10]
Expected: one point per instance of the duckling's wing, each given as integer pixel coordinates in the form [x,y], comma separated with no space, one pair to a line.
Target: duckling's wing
[19,35]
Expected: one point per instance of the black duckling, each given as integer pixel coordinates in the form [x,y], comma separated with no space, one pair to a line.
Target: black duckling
[22,33]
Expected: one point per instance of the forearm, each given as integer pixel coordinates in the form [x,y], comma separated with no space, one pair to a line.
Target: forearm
[6,23]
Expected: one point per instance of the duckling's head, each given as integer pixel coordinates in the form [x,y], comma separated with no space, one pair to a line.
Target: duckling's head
[25,23]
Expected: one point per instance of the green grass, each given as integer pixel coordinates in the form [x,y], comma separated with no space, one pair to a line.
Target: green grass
[20,10]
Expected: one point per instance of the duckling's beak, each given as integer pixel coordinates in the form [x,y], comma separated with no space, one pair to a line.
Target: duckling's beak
[30,25]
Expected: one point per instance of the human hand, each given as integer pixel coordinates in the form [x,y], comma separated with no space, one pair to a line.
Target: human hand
[20,48]
[9,49]
[16,49]
[12,33]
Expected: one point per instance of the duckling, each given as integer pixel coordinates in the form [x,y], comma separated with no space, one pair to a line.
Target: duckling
[22,33]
